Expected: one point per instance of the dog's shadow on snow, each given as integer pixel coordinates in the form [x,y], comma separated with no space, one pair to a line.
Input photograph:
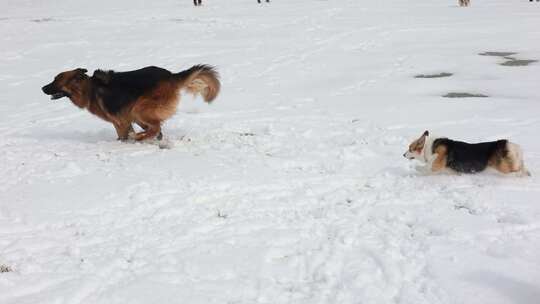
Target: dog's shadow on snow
[74,137]
[100,137]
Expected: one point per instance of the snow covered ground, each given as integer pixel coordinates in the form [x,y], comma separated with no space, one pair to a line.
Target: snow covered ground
[291,187]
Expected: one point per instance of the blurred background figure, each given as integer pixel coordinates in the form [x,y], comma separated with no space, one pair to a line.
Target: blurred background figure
[197,2]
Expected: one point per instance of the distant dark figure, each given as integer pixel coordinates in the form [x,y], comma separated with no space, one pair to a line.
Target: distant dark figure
[197,2]
[269,1]
[464,2]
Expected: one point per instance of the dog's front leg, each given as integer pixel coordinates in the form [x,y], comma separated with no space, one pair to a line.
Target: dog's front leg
[430,166]
[123,129]
[437,162]
[423,169]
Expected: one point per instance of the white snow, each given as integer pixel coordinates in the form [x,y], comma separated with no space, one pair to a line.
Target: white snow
[291,187]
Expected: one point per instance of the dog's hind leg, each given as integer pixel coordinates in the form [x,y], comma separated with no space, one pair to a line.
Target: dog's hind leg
[145,127]
[153,129]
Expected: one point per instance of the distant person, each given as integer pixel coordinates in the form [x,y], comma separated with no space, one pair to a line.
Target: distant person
[464,2]
[199,2]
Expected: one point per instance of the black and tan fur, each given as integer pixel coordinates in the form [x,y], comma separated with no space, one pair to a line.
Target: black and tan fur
[147,96]
[441,153]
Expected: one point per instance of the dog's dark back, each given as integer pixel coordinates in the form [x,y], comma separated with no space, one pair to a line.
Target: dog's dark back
[470,158]
[119,89]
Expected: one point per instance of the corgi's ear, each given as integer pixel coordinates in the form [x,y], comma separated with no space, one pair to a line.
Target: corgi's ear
[421,141]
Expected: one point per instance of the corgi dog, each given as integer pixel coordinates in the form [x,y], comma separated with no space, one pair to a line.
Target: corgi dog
[441,153]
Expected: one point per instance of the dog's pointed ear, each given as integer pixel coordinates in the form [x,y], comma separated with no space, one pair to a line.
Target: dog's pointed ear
[81,70]
[101,76]
[420,142]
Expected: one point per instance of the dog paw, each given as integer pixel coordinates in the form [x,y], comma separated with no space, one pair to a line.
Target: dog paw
[524,173]
[423,169]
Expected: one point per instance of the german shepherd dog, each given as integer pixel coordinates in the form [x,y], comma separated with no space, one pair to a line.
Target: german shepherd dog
[146,97]
[442,153]
[464,2]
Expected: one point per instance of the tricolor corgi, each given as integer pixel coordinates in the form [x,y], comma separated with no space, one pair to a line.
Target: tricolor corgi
[441,153]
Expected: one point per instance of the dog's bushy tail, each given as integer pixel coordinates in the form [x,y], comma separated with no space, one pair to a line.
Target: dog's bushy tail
[200,79]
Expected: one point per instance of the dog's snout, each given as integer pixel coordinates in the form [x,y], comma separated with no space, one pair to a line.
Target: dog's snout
[47,89]
[408,155]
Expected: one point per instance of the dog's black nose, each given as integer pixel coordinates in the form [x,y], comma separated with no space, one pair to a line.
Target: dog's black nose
[46,88]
